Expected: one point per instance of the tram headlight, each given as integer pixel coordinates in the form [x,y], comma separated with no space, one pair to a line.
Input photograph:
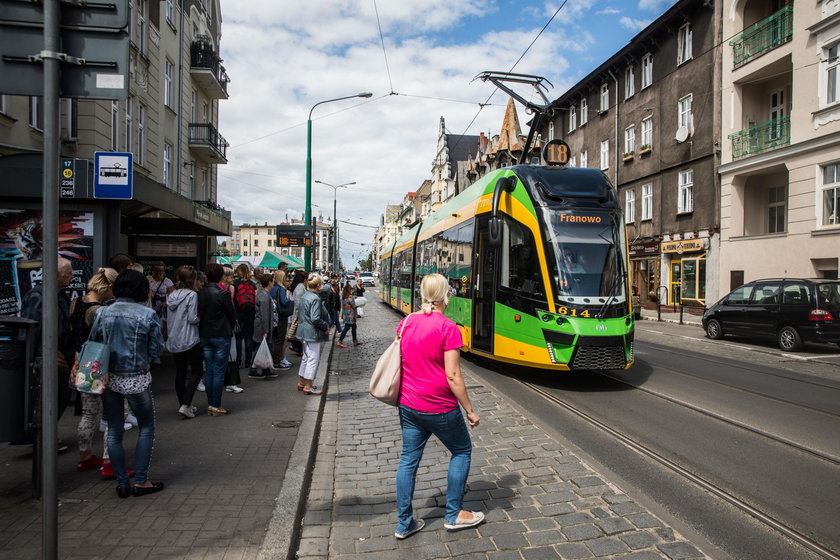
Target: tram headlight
[560,320]
[546,318]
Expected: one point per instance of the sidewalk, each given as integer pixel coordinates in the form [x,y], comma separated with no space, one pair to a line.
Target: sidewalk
[222,478]
[541,500]
[673,317]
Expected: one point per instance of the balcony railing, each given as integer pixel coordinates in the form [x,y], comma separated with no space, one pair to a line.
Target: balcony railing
[761,137]
[202,58]
[764,36]
[206,139]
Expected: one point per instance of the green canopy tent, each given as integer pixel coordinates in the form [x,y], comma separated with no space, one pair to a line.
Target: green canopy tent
[227,260]
[272,260]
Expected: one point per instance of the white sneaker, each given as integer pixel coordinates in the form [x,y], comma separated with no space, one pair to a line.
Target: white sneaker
[127,426]
[234,389]
[477,518]
[131,419]
[286,362]
[186,411]
[201,385]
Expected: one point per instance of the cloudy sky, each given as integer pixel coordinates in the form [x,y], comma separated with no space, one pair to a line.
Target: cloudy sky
[285,56]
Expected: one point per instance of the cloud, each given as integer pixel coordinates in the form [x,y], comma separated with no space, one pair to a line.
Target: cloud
[655,5]
[632,24]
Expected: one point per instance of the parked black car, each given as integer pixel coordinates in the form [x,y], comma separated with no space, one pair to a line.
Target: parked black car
[792,310]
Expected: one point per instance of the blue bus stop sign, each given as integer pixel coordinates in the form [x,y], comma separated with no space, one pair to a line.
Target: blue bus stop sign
[113,175]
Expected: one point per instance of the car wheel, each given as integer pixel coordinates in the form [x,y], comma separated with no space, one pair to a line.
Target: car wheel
[789,340]
[714,330]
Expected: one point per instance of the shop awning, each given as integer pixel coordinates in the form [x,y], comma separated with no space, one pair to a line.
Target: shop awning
[272,260]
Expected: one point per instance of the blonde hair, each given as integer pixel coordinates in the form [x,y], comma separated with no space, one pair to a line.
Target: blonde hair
[102,281]
[314,282]
[279,277]
[228,271]
[434,290]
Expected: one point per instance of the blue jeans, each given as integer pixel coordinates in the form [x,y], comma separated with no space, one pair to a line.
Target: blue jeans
[244,356]
[216,354]
[451,430]
[143,407]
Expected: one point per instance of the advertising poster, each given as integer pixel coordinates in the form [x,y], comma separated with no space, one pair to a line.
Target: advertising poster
[21,253]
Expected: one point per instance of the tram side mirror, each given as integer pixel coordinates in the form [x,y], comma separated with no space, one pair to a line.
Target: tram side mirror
[495,232]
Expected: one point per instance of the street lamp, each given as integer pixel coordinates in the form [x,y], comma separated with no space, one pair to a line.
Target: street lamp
[307,253]
[335,217]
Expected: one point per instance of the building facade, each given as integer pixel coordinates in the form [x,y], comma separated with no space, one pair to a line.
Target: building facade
[649,118]
[168,122]
[255,240]
[780,164]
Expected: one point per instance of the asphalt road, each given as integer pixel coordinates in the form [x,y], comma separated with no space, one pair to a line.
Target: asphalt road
[755,425]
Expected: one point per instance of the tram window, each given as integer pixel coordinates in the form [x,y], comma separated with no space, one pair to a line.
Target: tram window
[520,268]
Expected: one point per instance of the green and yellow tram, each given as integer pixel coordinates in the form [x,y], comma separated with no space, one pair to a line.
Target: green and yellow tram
[536,257]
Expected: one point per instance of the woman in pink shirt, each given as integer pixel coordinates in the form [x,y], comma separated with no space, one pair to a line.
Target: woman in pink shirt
[432,388]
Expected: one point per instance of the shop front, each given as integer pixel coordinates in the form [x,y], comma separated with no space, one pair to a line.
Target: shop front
[644,270]
[686,265]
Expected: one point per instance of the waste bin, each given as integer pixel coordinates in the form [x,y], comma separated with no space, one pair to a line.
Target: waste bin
[16,351]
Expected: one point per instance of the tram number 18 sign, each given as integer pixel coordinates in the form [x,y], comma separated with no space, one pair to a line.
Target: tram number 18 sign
[295,236]
[556,152]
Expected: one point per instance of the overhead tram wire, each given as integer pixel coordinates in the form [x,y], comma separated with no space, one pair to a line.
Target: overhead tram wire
[518,60]
[382,40]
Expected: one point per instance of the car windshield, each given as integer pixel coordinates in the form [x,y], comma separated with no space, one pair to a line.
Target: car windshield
[588,250]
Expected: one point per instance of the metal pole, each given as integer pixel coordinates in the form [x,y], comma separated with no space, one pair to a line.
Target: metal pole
[49,325]
[307,252]
[335,230]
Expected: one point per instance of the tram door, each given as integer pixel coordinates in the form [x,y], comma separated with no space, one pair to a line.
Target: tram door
[486,264]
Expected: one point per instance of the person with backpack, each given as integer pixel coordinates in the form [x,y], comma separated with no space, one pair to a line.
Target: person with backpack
[244,301]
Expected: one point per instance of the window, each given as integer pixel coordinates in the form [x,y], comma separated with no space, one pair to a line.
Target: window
[256,242]
[141,135]
[584,111]
[684,117]
[584,159]
[167,165]
[605,96]
[142,30]
[605,154]
[204,183]
[170,12]
[629,206]
[193,101]
[740,296]
[520,268]
[572,162]
[831,195]
[269,242]
[630,139]
[629,82]
[684,43]
[245,243]
[647,132]
[776,209]
[192,179]
[168,84]
[36,112]
[551,130]
[647,201]
[647,70]
[128,124]
[270,232]
[572,118]
[685,197]
[72,119]
[115,126]
[833,75]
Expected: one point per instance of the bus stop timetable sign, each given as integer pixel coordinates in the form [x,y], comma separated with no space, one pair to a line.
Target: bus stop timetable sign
[113,175]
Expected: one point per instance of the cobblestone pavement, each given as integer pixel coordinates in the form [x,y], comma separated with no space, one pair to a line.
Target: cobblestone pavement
[541,500]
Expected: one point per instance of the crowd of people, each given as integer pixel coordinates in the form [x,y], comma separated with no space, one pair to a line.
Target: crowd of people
[212,321]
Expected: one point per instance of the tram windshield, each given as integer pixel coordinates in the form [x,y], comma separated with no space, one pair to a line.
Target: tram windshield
[588,258]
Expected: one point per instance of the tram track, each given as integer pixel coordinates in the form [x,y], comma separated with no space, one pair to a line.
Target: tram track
[714,489]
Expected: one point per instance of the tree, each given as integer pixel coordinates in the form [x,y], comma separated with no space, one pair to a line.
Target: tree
[367,264]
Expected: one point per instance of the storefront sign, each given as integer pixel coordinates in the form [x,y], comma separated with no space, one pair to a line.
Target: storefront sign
[644,248]
[682,246]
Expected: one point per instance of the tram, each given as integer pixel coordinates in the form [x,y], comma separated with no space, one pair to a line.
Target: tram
[536,258]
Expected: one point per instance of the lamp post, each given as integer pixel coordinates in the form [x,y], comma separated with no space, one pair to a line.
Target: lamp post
[335,217]
[307,253]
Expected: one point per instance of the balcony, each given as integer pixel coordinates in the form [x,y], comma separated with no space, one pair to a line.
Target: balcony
[763,37]
[207,71]
[760,138]
[207,143]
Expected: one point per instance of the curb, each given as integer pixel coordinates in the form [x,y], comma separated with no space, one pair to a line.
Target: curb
[283,530]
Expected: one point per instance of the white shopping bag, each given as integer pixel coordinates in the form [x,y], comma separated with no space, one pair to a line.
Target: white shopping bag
[263,358]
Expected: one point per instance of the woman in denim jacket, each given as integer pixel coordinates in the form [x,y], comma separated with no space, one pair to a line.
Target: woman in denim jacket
[313,329]
[132,331]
